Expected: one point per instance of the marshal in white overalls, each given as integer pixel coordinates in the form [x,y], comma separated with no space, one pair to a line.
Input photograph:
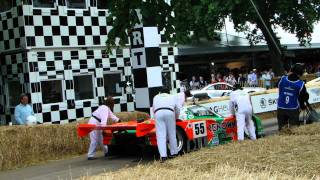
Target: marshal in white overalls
[240,106]
[103,113]
[166,108]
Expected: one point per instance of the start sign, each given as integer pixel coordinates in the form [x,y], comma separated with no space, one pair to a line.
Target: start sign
[138,54]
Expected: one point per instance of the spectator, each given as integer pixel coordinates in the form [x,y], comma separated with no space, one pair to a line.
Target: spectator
[23,110]
[305,72]
[202,82]
[271,73]
[184,85]
[225,78]
[219,78]
[231,79]
[266,78]
[318,72]
[241,80]
[213,79]
[252,78]
[194,84]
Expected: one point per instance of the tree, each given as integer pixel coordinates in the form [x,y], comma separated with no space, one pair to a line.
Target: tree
[204,17]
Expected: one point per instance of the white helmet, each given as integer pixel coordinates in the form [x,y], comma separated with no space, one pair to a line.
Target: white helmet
[31,120]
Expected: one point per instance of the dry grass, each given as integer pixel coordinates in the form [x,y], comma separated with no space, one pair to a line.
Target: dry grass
[163,172]
[277,157]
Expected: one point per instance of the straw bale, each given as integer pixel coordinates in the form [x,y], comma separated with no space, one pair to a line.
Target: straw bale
[22,146]
[129,116]
[275,157]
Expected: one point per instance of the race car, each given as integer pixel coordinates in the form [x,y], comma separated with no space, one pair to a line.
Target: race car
[221,89]
[198,127]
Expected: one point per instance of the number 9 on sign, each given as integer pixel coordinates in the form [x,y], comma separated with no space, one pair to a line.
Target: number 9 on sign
[199,129]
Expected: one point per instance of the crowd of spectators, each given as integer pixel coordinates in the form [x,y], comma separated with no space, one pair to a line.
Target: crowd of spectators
[244,79]
[254,78]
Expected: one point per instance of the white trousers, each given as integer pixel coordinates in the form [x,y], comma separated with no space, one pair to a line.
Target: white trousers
[244,120]
[166,127]
[96,138]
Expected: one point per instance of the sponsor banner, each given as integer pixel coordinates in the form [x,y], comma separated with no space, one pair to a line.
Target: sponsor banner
[260,103]
[264,102]
[220,107]
[314,95]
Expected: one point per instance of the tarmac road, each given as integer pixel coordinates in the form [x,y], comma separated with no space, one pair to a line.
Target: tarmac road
[79,166]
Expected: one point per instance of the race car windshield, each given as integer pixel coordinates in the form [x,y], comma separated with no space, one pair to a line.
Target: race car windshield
[200,111]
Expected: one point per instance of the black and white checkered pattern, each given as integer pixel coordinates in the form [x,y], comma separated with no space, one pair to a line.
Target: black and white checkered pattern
[13,67]
[12,30]
[57,43]
[168,63]
[63,27]
[147,70]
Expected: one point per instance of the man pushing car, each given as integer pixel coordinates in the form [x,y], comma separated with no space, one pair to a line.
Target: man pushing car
[166,108]
[240,106]
[100,117]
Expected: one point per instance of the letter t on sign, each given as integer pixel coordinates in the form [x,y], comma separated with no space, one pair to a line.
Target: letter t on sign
[138,54]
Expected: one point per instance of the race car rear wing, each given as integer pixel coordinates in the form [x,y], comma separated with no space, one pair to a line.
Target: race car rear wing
[142,129]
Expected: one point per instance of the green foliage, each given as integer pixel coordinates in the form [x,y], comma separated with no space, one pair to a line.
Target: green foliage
[205,17]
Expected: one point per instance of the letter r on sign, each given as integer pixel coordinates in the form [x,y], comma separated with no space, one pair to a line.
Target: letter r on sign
[137,39]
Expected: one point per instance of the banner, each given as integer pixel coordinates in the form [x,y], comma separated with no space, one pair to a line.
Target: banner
[314,95]
[219,107]
[260,103]
[264,102]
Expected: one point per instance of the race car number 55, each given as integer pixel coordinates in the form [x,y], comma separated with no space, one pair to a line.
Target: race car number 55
[199,129]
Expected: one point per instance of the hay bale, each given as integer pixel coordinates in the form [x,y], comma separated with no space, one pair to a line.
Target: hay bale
[129,116]
[22,146]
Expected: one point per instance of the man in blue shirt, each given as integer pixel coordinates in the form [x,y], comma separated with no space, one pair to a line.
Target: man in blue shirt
[23,110]
[292,96]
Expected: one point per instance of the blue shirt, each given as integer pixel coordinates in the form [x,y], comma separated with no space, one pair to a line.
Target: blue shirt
[21,113]
[289,93]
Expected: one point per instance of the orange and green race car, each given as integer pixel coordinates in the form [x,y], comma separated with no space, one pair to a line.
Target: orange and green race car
[201,127]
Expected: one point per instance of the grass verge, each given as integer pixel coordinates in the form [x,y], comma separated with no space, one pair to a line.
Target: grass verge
[292,155]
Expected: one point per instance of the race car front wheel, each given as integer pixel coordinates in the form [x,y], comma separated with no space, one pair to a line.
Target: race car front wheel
[181,141]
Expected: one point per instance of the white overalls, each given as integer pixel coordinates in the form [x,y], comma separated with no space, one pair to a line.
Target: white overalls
[103,113]
[240,105]
[166,108]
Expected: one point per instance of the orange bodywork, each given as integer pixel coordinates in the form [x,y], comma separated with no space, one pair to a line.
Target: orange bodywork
[146,129]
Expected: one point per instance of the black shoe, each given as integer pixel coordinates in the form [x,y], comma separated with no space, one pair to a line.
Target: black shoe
[163,159]
[92,158]
[173,156]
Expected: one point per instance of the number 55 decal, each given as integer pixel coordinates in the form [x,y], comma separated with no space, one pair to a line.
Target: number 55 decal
[199,129]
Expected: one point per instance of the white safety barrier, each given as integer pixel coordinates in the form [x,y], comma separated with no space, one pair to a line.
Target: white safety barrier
[261,103]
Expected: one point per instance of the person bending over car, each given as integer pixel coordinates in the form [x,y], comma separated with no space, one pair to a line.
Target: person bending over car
[292,96]
[100,118]
[240,106]
[166,108]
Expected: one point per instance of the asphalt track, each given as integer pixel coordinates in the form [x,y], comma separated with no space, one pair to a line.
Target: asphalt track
[79,166]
